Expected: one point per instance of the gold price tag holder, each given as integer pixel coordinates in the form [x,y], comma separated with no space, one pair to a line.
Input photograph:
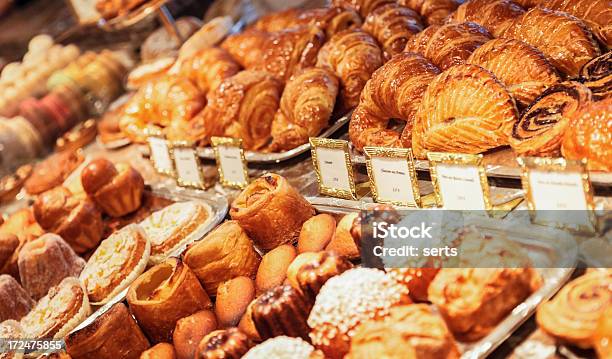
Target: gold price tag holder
[160,154]
[231,163]
[459,181]
[557,184]
[392,174]
[187,168]
[332,162]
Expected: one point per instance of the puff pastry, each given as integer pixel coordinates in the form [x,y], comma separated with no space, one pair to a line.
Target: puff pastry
[522,68]
[353,55]
[364,7]
[208,68]
[392,25]
[448,45]
[495,15]
[465,109]
[540,130]
[566,40]
[394,92]
[597,76]
[433,11]
[306,106]
[331,20]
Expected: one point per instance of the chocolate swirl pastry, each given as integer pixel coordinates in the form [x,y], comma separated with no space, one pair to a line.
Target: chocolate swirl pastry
[597,76]
[540,130]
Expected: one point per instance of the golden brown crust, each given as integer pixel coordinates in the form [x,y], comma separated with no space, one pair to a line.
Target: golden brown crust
[272,271]
[159,351]
[392,25]
[189,331]
[282,310]
[343,242]
[311,275]
[495,16]
[364,7]
[331,20]
[232,299]
[433,11]
[596,75]
[316,233]
[229,344]
[417,280]
[52,172]
[8,244]
[394,92]
[208,68]
[22,224]
[271,211]
[603,335]
[566,40]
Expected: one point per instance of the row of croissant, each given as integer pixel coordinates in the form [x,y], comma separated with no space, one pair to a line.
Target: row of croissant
[459,76]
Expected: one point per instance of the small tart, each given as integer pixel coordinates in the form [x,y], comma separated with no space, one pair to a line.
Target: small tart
[117,262]
[171,227]
[57,313]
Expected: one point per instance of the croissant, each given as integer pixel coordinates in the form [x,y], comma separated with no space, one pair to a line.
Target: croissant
[331,20]
[464,109]
[433,11]
[522,68]
[590,136]
[540,130]
[450,44]
[394,92]
[392,25]
[305,108]
[279,53]
[353,55]
[363,7]
[597,76]
[243,106]
[527,4]
[207,68]
[566,40]
[493,15]
[597,14]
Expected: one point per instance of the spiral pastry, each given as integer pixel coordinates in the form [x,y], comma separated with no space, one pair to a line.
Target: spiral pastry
[597,76]
[540,130]
[392,25]
[573,314]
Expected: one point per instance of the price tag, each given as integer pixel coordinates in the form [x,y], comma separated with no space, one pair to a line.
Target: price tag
[231,163]
[332,163]
[459,181]
[392,176]
[187,166]
[159,152]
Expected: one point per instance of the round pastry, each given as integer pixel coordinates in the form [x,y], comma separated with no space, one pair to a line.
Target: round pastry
[163,295]
[603,335]
[160,351]
[8,245]
[53,171]
[590,136]
[347,300]
[297,263]
[573,314]
[225,253]
[15,301]
[415,328]
[271,211]
[597,76]
[540,130]
[11,184]
[312,275]
[78,137]
[232,300]
[342,242]
[227,344]
[112,335]
[117,190]
[190,331]
[116,263]
[316,233]
[281,311]
[283,347]
[273,268]
[173,227]
[417,280]
[11,329]
[45,262]
[59,312]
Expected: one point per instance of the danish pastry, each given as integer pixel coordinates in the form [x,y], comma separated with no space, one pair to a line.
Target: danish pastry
[495,16]
[597,76]
[432,11]
[392,25]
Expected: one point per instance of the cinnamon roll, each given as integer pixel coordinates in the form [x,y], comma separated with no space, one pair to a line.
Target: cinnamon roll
[540,130]
[597,76]
[493,15]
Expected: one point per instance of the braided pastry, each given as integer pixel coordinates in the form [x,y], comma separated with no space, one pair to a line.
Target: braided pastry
[353,55]
[521,67]
[305,108]
[448,45]
[208,68]
[394,92]
[392,25]
[432,11]
[597,76]
[363,7]
[464,109]
[566,40]
[331,20]
[495,15]
[540,130]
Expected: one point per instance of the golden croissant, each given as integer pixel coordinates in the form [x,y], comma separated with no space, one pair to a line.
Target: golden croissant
[522,68]
[392,25]
[353,55]
[306,106]
[432,11]
[566,40]
[207,68]
[363,7]
[465,109]
[493,15]
[394,92]
[450,44]
[331,20]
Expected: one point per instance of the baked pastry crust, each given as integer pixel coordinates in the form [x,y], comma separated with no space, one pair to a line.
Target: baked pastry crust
[493,15]
[603,335]
[8,245]
[271,211]
[392,25]
[363,7]
[159,351]
[417,280]
[313,274]
[329,19]
[164,294]
[208,68]
[15,301]
[112,335]
[52,172]
[116,263]
[432,11]
[597,76]
[230,343]
[23,225]
[282,310]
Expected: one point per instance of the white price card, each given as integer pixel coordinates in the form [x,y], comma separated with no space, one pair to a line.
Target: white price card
[159,152]
[332,163]
[187,166]
[392,176]
[231,162]
[459,180]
